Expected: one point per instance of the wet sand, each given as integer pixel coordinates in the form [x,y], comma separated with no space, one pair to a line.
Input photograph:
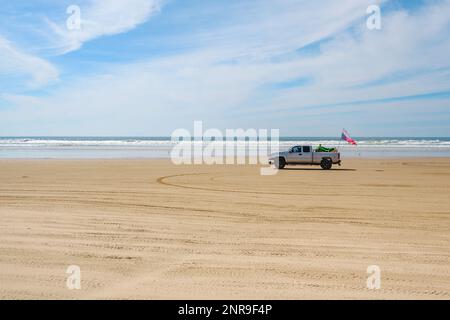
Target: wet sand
[152,230]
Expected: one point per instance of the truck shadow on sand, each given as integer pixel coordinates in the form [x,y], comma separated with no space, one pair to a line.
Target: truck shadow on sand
[315,169]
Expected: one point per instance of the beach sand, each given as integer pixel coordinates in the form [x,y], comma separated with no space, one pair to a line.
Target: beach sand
[149,229]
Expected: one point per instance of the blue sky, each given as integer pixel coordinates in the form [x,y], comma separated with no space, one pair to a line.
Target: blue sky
[148,67]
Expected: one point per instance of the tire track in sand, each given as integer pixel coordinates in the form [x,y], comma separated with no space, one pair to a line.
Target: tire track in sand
[163,180]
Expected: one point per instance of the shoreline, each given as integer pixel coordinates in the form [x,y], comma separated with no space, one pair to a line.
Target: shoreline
[418,157]
[161,147]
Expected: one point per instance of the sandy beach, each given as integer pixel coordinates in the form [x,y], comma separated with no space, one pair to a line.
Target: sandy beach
[147,229]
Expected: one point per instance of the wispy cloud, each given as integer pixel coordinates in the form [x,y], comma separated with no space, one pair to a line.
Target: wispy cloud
[103,18]
[16,63]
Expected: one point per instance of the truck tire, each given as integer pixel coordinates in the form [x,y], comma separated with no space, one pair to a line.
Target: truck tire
[326,164]
[280,163]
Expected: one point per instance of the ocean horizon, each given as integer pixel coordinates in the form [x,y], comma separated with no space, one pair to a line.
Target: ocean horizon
[73,147]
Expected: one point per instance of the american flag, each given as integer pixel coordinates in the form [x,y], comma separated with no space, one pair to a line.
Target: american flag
[345,136]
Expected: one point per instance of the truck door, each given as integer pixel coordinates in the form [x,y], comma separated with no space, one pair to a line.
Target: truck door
[294,155]
[305,156]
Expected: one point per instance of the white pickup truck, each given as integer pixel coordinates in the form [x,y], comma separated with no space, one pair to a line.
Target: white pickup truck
[305,155]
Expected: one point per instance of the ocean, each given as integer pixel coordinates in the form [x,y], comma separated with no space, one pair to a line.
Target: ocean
[160,147]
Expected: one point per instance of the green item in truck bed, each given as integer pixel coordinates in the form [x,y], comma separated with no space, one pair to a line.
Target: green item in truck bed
[323,149]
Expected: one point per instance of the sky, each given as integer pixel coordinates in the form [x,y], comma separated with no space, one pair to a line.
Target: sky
[149,67]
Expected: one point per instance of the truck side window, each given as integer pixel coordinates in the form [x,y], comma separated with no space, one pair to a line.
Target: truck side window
[296,149]
[307,149]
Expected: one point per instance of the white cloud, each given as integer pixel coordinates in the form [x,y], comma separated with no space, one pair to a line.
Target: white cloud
[104,18]
[261,29]
[14,62]
[413,45]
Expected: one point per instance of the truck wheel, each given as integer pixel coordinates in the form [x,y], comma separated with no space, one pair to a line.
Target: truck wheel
[326,164]
[280,163]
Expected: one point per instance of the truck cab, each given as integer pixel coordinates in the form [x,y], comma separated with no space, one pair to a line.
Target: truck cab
[299,154]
